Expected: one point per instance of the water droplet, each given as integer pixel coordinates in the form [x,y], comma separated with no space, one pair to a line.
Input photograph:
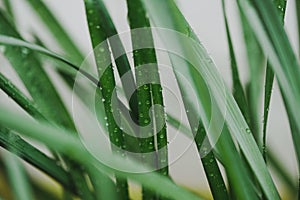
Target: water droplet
[97,27]
[145,87]
[248,130]
[103,100]
[147,102]
[140,103]
[106,124]
[101,49]
[105,118]
[90,11]
[161,136]
[187,111]
[146,121]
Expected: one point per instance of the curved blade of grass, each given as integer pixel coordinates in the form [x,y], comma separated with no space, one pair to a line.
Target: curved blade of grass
[38,84]
[107,81]
[58,32]
[281,7]
[235,121]
[67,143]
[238,91]
[13,41]
[17,177]
[256,62]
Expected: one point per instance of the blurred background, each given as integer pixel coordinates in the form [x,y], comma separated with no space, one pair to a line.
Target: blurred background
[207,20]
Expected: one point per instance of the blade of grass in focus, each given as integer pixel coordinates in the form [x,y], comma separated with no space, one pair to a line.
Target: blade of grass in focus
[148,94]
[119,53]
[38,84]
[234,118]
[107,81]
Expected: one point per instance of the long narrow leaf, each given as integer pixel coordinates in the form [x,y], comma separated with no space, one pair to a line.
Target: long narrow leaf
[54,26]
[30,70]
[67,143]
[17,177]
[235,121]
[107,81]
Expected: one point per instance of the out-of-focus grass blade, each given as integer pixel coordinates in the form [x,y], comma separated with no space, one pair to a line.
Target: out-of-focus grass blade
[65,142]
[256,62]
[238,91]
[281,7]
[14,143]
[13,41]
[281,171]
[266,24]
[17,177]
[9,8]
[235,120]
[298,22]
[38,84]
[104,187]
[57,30]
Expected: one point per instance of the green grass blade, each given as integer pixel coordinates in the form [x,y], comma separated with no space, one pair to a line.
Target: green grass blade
[270,33]
[281,170]
[65,142]
[256,62]
[151,93]
[119,53]
[107,81]
[33,156]
[238,91]
[15,42]
[12,91]
[54,26]
[17,177]
[281,7]
[298,22]
[211,168]
[45,96]
[235,120]
[9,9]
